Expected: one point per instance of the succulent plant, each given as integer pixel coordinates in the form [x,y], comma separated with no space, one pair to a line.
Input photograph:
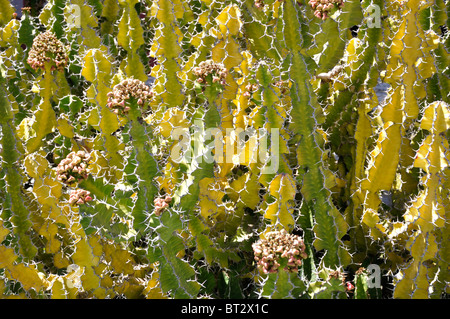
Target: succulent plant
[261,3]
[250,89]
[283,85]
[48,48]
[365,176]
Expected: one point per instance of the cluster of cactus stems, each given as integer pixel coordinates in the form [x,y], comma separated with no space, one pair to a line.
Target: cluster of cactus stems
[363,177]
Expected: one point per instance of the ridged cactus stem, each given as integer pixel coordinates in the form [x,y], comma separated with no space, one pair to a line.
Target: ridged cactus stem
[130,38]
[45,114]
[10,158]
[84,254]
[359,75]
[261,43]
[98,70]
[177,277]
[146,170]
[282,285]
[428,210]
[328,221]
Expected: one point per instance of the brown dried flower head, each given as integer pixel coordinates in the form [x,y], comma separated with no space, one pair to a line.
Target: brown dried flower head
[322,8]
[125,91]
[73,168]
[276,246]
[79,197]
[48,48]
[205,68]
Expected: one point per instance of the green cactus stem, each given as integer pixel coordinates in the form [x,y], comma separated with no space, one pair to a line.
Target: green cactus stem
[10,157]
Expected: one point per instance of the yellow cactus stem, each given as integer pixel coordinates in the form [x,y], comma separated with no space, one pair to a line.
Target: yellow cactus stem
[232,149]
[428,210]
[282,187]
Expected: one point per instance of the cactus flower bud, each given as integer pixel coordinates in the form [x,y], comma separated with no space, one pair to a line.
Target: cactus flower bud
[322,8]
[349,286]
[73,168]
[279,245]
[47,48]
[124,91]
[161,204]
[79,197]
[205,68]
[168,199]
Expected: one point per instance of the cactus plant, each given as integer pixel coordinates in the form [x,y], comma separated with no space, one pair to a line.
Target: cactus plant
[224,148]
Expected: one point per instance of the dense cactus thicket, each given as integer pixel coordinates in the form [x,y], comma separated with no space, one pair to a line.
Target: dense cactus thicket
[224,149]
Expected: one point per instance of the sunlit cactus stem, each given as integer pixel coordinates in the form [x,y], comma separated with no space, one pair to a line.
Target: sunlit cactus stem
[10,158]
[129,98]
[47,53]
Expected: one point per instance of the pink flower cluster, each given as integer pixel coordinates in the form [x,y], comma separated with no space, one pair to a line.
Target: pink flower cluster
[279,245]
[283,85]
[259,3]
[250,89]
[205,68]
[73,168]
[79,196]
[161,204]
[47,48]
[323,7]
[124,91]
